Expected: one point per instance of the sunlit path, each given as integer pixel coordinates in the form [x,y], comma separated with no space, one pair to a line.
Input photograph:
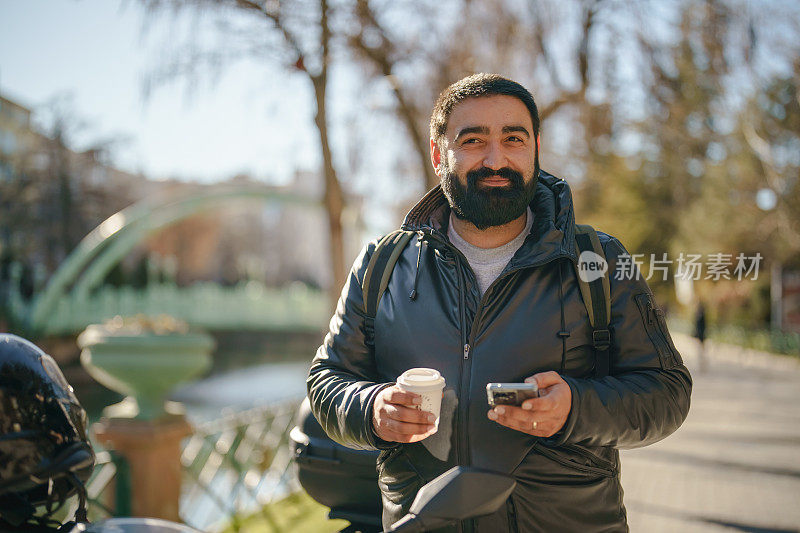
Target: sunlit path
[733,465]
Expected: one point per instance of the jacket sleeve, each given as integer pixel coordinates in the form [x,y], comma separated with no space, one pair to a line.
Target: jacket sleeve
[342,382]
[646,396]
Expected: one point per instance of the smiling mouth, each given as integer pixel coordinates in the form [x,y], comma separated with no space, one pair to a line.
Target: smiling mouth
[494,181]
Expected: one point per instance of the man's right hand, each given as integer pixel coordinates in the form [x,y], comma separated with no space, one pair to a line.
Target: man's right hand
[396,416]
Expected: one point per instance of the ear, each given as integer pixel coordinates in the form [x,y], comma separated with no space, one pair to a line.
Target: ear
[436,157]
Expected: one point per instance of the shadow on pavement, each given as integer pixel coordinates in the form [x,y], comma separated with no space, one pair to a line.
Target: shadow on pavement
[677,457]
[742,438]
[668,512]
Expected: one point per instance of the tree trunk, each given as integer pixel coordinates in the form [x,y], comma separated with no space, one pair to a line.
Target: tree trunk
[334,199]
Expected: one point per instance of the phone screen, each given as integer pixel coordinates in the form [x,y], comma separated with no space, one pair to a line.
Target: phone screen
[510,393]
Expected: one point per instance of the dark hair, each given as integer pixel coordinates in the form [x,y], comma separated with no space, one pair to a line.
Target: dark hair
[475,86]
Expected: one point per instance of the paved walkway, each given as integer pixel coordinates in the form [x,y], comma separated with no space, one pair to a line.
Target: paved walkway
[734,465]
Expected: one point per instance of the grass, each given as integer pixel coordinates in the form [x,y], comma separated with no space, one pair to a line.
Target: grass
[297,513]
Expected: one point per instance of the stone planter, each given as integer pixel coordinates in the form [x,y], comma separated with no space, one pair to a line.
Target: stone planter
[143,362]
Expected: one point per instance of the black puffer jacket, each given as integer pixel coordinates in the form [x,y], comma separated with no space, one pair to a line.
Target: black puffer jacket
[569,482]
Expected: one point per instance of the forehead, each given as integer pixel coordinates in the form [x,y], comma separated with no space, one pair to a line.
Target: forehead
[493,112]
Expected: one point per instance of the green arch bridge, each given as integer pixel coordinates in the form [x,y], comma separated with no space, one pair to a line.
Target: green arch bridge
[73,297]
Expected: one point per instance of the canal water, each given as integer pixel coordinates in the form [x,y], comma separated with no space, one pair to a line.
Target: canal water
[243,388]
[249,369]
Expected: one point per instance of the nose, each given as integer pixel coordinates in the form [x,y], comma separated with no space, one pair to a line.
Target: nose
[494,158]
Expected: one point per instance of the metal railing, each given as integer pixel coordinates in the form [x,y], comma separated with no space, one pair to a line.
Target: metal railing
[237,465]
[246,305]
[233,467]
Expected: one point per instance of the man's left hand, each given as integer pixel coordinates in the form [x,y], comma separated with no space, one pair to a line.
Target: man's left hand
[542,416]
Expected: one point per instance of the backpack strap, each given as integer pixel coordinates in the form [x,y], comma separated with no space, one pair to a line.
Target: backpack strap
[376,277]
[597,298]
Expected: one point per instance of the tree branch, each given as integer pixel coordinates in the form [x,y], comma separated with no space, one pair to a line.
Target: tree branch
[290,39]
[578,95]
[381,57]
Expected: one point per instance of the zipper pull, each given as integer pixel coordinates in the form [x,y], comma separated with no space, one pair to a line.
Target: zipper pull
[466,351]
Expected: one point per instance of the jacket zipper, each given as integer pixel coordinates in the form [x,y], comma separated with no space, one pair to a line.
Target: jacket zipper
[462,450]
[466,372]
[594,458]
[662,333]
[651,325]
[462,264]
[553,455]
[511,511]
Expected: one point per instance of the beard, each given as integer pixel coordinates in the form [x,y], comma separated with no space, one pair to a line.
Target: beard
[488,206]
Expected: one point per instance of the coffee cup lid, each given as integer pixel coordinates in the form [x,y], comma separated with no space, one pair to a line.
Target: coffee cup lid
[421,377]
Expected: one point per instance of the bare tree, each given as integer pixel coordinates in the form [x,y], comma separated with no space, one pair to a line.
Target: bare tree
[302,34]
[372,42]
[542,35]
[487,37]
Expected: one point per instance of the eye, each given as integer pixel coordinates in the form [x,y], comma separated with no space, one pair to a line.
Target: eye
[515,139]
[471,140]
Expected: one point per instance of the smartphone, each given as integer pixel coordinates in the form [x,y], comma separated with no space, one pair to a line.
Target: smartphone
[510,393]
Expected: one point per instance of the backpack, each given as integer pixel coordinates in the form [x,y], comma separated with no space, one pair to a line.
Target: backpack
[596,294]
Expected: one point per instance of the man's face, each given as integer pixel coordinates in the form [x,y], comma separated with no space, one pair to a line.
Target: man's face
[487,160]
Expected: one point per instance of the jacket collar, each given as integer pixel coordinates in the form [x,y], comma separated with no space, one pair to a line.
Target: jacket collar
[552,234]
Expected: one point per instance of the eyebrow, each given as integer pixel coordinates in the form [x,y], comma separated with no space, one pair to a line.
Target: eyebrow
[483,130]
[512,129]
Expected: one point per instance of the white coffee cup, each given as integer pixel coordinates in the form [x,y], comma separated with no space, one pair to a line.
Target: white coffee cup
[429,384]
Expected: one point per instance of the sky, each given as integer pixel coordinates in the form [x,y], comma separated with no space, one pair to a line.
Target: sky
[96,54]
[252,118]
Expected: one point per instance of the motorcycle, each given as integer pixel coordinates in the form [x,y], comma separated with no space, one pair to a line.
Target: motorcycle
[459,494]
[133,525]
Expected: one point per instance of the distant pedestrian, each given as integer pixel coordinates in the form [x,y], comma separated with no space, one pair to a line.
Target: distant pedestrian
[700,334]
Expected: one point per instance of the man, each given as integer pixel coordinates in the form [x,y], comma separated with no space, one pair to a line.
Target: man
[700,334]
[489,294]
